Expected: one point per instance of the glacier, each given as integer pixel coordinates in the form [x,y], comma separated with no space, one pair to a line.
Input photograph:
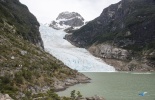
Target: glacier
[75,58]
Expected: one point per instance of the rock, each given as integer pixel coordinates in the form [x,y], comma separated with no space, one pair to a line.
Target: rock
[70,82]
[12,57]
[62,85]
[5,97]
[82,79]
[38,89]
[20,21]
[20,94]
[2,1]
[110,52]
[95,98]
[23,52]
[126,38]
[59,88]
[66,20]
[70,30]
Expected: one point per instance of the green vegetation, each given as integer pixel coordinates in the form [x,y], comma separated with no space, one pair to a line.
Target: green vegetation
[142,14]
[24,67]
[33,68]
[18,16]
[75,96]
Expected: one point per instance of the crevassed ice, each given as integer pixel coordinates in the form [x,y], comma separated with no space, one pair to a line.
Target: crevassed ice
[74,57]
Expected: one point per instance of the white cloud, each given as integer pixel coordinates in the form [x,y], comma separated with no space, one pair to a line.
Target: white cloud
[48,10]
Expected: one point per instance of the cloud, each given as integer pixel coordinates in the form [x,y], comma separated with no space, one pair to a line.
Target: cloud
[48,10]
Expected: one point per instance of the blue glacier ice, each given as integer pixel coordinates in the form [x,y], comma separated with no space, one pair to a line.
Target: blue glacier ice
[76,58]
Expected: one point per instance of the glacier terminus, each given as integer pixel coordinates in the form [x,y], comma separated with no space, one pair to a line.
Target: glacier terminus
[75,58]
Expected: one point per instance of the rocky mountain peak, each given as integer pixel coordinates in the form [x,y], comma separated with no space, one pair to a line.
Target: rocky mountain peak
[69,15]
[67,19]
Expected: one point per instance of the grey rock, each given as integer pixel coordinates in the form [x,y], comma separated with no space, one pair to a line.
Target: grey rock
[69,15]
[22,21]
[95,98]
[23,52]
[12,57]
[5,97]
[62,85]
[66,20]
[38,89]
[110,52]
[125,29]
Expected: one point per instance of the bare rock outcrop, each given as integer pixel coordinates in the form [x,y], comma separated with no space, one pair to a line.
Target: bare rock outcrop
[5,97]
[66,20]
[110,52]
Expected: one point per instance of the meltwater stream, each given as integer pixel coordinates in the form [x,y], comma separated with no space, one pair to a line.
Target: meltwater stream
[74,57]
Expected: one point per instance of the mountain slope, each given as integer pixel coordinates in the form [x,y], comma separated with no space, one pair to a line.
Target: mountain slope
[26,71]
[124,31]
[18,16]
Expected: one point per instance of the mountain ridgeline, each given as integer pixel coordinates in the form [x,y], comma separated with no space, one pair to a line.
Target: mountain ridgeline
[18,16]
[26,71]
[123,35]
[68,21]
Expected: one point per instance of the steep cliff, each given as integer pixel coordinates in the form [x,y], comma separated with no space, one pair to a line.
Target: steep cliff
[17,15]
[124,29]
[26,71]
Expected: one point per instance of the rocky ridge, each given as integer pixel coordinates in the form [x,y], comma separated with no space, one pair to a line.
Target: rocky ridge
[22,21]
[67,20]
[123,35]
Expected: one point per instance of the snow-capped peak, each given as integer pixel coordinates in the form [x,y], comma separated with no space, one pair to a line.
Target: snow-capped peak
[66,20]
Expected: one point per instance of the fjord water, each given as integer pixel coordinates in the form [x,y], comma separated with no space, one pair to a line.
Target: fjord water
[117,86]
[112,86]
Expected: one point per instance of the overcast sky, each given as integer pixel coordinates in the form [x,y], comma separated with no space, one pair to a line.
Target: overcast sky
[48,10]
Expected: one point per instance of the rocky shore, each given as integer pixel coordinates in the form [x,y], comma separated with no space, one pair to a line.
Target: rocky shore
[7,97]
[80,78]
[62,85]
[91,98]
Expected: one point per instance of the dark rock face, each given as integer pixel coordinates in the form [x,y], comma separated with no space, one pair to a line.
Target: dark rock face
[129,25]
[66,20]
[69,15]
[26,24]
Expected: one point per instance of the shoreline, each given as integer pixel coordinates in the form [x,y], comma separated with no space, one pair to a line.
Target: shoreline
[64,84]
[102,84]
[82,79]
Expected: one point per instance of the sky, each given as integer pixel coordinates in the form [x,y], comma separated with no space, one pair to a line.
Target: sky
[48,10]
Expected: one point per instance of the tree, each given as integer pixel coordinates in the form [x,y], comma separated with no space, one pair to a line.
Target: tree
[73,95]
[79,94]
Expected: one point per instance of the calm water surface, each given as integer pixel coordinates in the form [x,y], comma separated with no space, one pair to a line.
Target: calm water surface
[117,86]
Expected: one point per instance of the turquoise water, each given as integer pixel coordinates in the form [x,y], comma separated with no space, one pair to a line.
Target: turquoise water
[117,86]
